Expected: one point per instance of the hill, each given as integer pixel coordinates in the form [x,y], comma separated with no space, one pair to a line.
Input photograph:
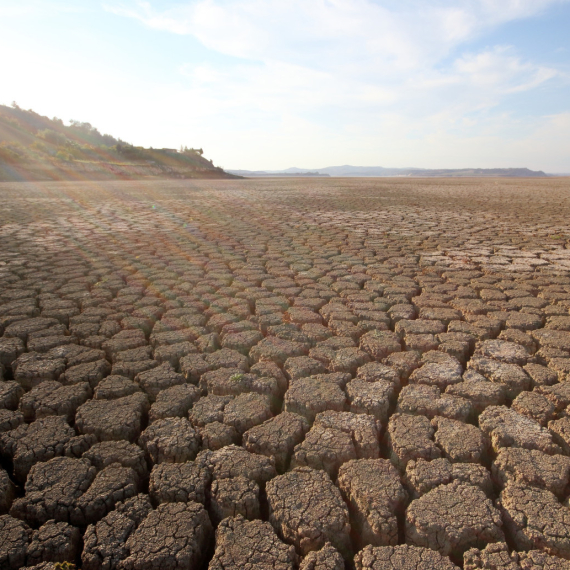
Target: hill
[362,171]
[33,147]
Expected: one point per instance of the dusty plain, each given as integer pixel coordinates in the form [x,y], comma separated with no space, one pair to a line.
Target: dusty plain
[280,374]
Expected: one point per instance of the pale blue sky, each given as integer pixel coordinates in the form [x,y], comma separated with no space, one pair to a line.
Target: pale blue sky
[308,83]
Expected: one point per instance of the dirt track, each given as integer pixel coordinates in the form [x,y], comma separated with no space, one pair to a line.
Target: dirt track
[287,373]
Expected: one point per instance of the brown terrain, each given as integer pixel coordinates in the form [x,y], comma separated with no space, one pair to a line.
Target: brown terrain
[285,374]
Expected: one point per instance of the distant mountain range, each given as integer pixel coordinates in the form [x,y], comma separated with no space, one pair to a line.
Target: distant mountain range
[363,171]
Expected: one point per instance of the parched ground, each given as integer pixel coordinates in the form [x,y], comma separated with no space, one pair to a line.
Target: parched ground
[283,374]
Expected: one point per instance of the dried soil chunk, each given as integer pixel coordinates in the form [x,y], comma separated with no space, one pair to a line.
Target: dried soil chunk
[277,350]
[374,493]
[316,333]
[453,518]
[54,542]
[524,321]
[10,349]
[234,461]
[171,440]
[560,430]
[227,358]
[173,402]
[216,435]
[125,340]
[325,448]
[90,372]
[113,484]
[362,429]
[327,558]
[380,344]
[458,349]
[348,360]
[140,353]
[243,341]
[246,411]
[209,409]
[250,545]
[22,329]
[10,394]
[117,419]
[552,338]
[403,362]
[422,476]
[538,560]
[507,428]
[370,398]
[75,355]
[503,350]
[270,370]
[53,399]
[561,366]
[541,375]
[307,510]
[277,437]
[14,538]
[374,372]
[511,376]
[535,406]
[339,378]
[32,369]
[193,366]
[534,468]
[7,492]
[430,402]
[288,332]
[234,496]
[493,557]
[460,442]
[410,437]
[419,326]
[303,366]
[39,441]
[309,396]
[438,374]
[559,394]
[131,369]
[535,519]
[122,452]
[302,316]
[179,482]
[479,391]
[52,490]
[10,420]
[233,381]
[32,399]
[160,378]
[174,536]
[403,557]
[114,387]
[172,353]
[104,542]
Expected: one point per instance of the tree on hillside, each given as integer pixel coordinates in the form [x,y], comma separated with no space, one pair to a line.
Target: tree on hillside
[53,137]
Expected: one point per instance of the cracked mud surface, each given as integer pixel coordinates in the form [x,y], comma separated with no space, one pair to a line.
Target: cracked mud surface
[285,374]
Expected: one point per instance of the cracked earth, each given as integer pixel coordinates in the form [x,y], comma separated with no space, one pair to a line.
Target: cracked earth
[285,374]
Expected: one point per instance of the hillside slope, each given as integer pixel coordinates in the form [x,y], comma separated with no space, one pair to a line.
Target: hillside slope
[33,147]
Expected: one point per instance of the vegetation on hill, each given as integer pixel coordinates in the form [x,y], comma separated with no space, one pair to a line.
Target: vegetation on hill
[37,147]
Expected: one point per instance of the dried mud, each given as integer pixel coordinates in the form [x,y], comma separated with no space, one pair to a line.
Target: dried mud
[285,374]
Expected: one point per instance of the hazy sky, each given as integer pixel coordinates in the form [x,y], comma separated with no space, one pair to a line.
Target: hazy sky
[308,83]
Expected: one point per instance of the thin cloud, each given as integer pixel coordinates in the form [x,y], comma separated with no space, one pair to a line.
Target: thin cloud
[353,68]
